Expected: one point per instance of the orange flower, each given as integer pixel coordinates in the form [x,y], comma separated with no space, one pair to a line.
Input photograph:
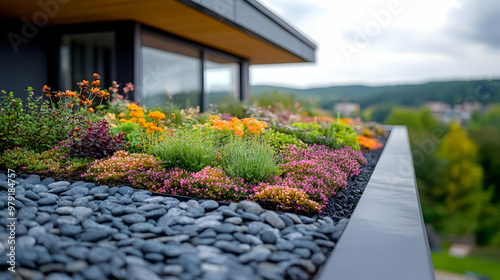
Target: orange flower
[156,115]
[123,120]
[214,118]
[238,131]
[46,89]
[91,110]
[236,121]
[70,105]
[96,76]
[95,83]
[134,107]
[133,120]
[369,143]
[94,90]
[69,93]
[138,114]
[160,138]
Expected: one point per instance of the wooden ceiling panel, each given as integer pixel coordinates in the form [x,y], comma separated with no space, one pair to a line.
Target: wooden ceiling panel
[168,15]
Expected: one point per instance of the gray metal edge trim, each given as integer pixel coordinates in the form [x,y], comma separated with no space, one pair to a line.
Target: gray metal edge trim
[385,237]
[234,23]
[281,23]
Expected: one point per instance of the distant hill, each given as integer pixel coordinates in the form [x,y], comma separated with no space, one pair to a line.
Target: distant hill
[451,92]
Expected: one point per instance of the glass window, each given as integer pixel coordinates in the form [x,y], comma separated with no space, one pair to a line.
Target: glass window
[221,78]
[171,73]
[85,54]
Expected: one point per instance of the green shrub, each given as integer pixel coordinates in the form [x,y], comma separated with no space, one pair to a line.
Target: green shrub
[132,133]
[278,101]
[20,159]
[279,141]
[343,135]
[234,107]
[36,125]
[252,161]
[187,149]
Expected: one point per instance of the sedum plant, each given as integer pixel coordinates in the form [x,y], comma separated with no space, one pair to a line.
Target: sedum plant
[335,135]
[119,166]
[280,141]
[286,197]
[22,159]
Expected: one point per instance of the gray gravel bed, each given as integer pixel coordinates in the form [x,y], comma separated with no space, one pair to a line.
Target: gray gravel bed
[83,231]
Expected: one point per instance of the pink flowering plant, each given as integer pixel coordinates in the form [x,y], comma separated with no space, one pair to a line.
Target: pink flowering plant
[207,183]
[119,102]
[119,166]
[318,171]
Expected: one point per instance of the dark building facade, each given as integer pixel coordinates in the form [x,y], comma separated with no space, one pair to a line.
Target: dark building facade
[189,52]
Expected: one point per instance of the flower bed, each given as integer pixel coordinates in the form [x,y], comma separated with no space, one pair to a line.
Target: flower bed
[283,164]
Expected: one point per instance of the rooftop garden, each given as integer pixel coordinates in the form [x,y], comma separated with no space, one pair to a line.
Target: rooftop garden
[287,156]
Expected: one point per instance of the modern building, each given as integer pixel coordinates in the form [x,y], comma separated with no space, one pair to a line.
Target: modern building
[191,52]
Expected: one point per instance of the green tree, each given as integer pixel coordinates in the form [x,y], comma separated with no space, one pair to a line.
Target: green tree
[485,130]
[461,182]
[425,134]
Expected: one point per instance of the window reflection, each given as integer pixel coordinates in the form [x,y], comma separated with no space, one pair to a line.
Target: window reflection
[221,78]
[171,74]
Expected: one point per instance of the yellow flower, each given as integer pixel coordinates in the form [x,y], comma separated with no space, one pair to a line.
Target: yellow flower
[111,116]
[123,120]
[156,115]
[160,138]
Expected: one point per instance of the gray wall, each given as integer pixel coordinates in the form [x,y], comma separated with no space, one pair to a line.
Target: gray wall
[27,67]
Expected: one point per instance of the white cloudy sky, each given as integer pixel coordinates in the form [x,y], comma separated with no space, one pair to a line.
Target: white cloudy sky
[424,40]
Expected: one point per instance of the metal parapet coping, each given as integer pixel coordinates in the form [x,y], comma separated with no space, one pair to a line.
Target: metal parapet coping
[385,237]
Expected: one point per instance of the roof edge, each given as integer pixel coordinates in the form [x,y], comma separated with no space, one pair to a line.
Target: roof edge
[230,18]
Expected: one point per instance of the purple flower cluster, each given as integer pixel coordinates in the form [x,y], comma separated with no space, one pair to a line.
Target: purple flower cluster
[318,170]
[207,183]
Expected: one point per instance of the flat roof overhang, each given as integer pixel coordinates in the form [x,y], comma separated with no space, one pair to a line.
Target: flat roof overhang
[243,28]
